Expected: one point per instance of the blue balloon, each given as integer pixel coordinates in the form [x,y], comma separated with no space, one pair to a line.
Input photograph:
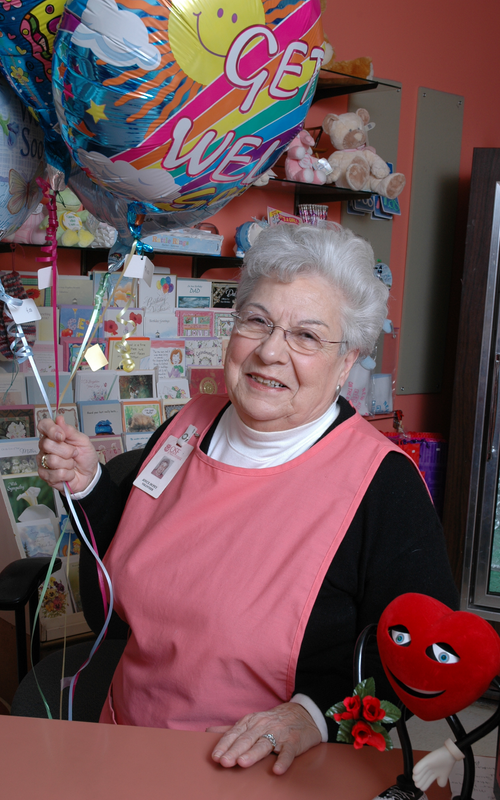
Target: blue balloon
[27,32]
[22,161]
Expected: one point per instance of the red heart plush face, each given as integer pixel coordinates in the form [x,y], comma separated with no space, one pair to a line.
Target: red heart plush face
[438,661]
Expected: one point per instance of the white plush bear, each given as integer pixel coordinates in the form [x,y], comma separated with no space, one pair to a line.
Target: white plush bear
[356,165]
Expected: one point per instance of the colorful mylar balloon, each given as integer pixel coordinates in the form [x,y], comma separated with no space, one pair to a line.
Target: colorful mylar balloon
[27,32]
[182,104]
[22,161]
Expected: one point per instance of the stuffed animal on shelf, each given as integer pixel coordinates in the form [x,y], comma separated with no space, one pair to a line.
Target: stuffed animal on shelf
[356,165]
[361,67]
[300,164]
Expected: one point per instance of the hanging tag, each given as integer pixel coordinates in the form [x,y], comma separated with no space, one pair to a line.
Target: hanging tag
[95,358]
[26,312]
[139,267]
[167,462]
[45,278]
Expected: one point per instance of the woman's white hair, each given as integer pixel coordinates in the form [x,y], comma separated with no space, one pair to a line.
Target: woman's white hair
[283,252]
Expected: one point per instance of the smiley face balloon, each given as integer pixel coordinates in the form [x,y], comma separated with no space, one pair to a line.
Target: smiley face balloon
[438,661]
[182,104]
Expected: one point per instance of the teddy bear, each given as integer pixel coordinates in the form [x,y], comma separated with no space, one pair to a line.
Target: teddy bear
[361,67]
[356,165]
[300,164]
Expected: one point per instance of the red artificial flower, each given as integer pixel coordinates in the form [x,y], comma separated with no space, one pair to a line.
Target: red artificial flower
[371,709]
[137,318]
[363,734]
[352,709]
[110,326]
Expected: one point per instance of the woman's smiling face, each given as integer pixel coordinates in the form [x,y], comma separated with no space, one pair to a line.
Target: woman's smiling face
[272,387]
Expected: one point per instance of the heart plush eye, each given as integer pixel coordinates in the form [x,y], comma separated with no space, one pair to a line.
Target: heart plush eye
[444,653]
[400,635]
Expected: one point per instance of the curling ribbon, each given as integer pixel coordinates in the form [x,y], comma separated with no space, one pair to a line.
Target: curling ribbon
[136,213]
[93,323]
[20,347]
[50,247]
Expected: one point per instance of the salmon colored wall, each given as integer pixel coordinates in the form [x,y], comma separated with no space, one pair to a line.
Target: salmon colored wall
[440,45]
[445,45]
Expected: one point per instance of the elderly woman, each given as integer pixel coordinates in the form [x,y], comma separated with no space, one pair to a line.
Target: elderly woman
[283,526]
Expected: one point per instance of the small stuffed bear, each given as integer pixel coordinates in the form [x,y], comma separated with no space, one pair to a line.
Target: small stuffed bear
[300,164]
[355,165]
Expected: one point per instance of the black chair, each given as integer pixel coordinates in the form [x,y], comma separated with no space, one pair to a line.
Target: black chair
[94,680]
[19,583]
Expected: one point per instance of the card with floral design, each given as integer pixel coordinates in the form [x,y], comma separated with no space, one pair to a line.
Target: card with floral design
[17,422]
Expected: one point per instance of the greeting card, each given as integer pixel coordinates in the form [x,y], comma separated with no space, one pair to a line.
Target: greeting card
[68,410]
[96,386]
[98,419]
[224,294]
[176,390]
[223,324]
[203,380]
[117,322]
[137,385]
[122,290]
[17,422]
[168,358]
[136,441]
[141,416]
[160,324]
[193,293]
[107,447]
[204,352]
[139,350]
[71,351]
[74,321]
[160,296]
[194,325]
[49,384]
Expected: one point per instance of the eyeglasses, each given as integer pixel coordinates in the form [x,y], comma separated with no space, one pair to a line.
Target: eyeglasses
[302,340]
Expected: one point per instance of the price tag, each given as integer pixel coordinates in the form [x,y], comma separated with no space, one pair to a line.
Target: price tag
[95,358]
[140,267]
[45,278]
[27,312]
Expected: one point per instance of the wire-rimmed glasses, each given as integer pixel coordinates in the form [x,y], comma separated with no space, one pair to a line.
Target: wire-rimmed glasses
[302,340]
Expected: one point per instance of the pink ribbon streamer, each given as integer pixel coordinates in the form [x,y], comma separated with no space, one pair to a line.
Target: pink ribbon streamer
[49,200]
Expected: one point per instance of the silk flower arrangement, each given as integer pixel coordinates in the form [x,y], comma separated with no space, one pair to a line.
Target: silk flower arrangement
[360,718]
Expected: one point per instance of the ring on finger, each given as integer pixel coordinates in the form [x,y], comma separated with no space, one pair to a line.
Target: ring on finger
[270,737]
[44,462]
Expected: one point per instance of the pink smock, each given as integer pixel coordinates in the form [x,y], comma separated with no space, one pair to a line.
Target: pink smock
[217,577]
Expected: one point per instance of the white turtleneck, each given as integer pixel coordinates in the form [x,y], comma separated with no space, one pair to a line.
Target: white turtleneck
[236,444]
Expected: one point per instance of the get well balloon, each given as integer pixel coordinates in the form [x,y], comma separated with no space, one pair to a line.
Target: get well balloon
[22,161]
[27,33]
[182,104]
[438,661]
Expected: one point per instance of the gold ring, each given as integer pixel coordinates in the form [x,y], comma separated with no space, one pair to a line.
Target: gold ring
[44,462]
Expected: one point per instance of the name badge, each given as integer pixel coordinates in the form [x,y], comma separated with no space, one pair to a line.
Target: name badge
[160,471]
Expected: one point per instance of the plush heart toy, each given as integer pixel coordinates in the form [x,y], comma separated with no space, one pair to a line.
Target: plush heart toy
[438,661]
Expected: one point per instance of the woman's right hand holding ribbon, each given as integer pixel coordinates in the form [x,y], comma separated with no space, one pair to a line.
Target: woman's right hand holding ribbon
[65,456]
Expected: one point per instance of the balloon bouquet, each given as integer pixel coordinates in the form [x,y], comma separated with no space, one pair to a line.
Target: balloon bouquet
[176,106]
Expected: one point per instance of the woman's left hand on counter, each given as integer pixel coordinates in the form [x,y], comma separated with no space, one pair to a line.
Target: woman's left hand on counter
[244,743]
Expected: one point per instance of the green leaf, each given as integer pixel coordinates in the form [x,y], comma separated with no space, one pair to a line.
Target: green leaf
[344,731]
[377,727]
[338,708]
[388,741]
[392,712]
[365,688]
